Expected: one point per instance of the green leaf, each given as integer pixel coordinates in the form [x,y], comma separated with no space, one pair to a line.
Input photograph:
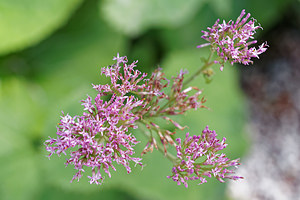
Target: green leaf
[21,123]
[134,17]
[20,104]
[24,23]
[188,36]
[222,7]
[53,192]
[19,176]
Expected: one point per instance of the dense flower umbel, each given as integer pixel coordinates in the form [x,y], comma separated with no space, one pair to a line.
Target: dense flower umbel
[231,40]
[100,137]
[198,158]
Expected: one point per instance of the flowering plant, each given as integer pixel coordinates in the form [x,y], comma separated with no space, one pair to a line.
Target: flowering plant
[102,138]
[231,40]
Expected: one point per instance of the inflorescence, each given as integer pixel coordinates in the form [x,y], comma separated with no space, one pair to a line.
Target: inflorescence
[199,159]
[231,40]
[101,137]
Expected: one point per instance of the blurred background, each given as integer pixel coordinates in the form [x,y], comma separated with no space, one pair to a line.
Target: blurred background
[51,51]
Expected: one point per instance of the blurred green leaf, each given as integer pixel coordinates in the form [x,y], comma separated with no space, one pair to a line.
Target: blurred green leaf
[19,176]
[133,17]
[20,104]
[188,36]
[24,23]
[222,7]
[21,123]
[51,193]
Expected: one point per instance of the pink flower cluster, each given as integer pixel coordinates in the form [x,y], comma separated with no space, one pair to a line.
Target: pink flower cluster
[101,136]
[198,158]
[122,83]
[231,40]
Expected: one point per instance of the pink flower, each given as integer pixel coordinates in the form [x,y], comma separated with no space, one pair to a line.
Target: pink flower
[100,138]
[232,40]
[202,147]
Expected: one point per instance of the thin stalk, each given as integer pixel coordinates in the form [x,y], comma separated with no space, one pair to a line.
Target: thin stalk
[205,66]
[168,155]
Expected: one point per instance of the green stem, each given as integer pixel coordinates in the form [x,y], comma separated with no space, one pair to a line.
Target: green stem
[164,106]
[205,66]
[171,157]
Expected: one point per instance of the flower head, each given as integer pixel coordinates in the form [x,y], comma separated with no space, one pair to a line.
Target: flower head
[232,40]
[100,137]
[198,158]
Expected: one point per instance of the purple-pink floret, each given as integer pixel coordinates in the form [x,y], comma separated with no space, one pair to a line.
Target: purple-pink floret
[232,42]
[198,158]
[100,137]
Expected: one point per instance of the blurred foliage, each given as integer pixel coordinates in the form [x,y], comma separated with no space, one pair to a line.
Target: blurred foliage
[26,22]
[134,16]
[37,83]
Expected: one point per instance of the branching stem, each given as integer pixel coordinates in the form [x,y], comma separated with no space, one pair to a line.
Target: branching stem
[205,66]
